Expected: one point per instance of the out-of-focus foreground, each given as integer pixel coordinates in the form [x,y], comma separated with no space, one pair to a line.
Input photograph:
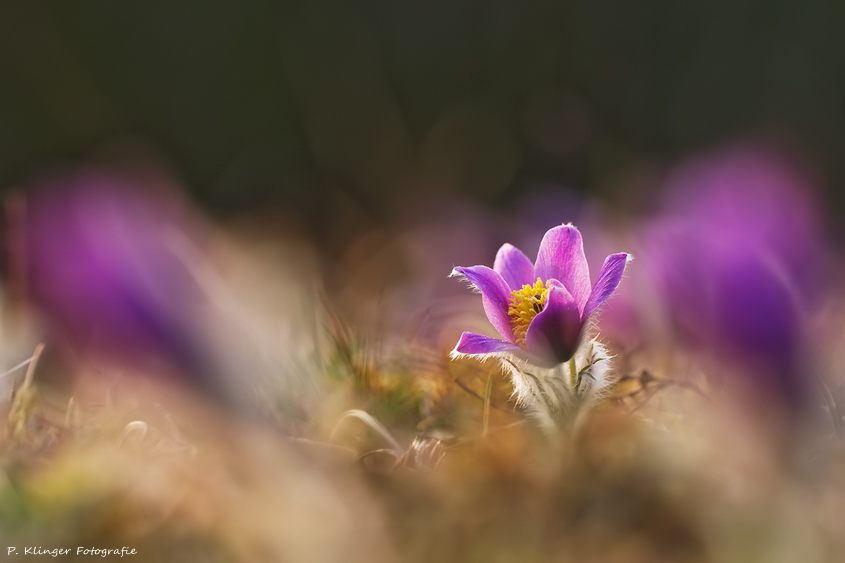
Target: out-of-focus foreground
[219,392]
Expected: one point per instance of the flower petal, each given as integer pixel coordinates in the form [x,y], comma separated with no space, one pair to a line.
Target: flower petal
[609,277]
[514,267]
[561,257]
[554,333]
[472,344]
[494,295]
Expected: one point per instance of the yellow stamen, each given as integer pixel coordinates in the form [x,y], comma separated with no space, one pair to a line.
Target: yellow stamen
[524,305]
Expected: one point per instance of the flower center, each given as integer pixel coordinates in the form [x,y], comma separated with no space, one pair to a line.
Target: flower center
[524,305]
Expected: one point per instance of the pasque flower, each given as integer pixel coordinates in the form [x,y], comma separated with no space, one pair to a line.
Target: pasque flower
[539,309]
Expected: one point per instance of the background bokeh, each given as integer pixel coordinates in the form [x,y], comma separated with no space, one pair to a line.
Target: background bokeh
[330,111]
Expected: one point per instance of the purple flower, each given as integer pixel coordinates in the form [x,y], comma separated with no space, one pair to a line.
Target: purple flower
[540,310]
[737,255]
[97,257]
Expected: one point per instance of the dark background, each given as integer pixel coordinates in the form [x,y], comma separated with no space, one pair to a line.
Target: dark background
[316,107]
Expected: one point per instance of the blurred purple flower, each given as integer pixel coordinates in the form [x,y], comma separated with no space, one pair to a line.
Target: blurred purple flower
[736,253]
[539,310]
[98,257]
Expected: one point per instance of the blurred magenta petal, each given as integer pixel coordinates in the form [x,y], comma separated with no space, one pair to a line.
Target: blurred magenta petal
[750,200]
[514,267]
[494,293]
[99,262]
[556,330]
[737,254]
[561,257]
